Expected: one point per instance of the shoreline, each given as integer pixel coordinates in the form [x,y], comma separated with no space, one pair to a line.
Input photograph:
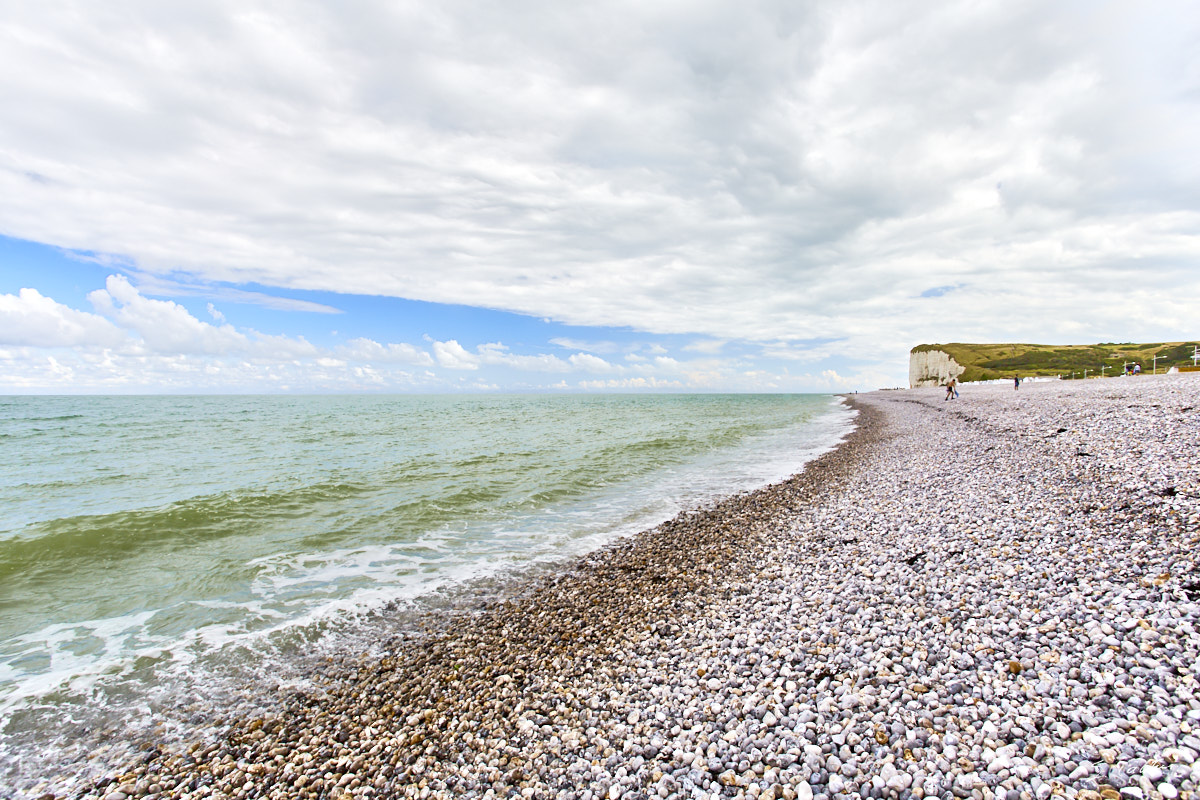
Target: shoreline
[110,707]
[576,588]
[865,627]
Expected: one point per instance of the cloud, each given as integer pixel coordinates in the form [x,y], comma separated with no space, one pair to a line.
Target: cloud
[135,342]
[28,318]
[452,355]
[590,363]
[139,343]
[637,384]
[762,173]
[708,346]
[142,344]
[797,351]
[588,347]
[157,286]
[164,326]
[834,378]
[497,354]
[363,349]
[269,346]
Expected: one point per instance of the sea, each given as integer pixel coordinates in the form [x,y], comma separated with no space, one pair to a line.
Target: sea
[167,562]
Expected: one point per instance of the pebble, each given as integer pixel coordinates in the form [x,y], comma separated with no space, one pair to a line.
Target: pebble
[992,597]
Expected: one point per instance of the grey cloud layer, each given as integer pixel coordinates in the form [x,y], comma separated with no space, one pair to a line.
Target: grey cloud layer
[764,172]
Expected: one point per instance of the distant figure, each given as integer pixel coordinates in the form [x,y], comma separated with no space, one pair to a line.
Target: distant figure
[1137,369]
[950,389]
[1016,382]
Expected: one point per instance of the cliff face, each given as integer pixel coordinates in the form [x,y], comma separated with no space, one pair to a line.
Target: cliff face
[932,368]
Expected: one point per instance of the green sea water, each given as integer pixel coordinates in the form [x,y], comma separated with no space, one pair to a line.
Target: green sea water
[156,550]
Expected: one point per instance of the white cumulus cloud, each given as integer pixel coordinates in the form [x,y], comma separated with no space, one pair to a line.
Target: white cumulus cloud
[28,318]
[452,355]
[363,349]
[164,326]
[590,363]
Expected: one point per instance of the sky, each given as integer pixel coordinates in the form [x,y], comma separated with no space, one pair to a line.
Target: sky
[419,196]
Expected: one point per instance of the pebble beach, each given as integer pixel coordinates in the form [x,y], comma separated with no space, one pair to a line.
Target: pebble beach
[990,597]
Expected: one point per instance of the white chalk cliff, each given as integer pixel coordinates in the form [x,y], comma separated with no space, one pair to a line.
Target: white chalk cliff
[932,368]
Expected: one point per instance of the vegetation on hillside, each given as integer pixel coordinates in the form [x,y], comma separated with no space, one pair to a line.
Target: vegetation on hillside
[991,361]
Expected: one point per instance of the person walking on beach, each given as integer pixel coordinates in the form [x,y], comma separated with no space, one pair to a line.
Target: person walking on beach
[950,389]
[1016,382]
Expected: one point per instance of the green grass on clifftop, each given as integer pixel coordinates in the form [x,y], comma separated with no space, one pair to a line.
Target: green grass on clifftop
[991,361]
